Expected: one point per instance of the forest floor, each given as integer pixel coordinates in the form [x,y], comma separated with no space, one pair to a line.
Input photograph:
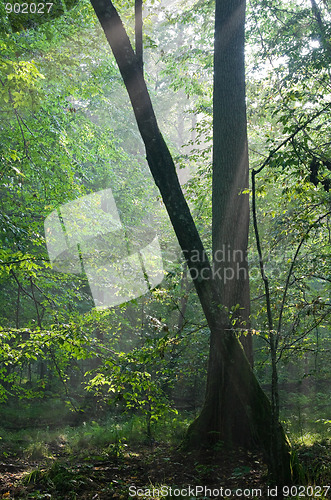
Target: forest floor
[102,477]
[112,459]
[119,474]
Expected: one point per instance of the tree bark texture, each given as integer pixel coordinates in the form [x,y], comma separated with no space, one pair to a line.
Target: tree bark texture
[230,162]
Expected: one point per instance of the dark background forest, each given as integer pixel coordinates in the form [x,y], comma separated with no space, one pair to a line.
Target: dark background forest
[98,393]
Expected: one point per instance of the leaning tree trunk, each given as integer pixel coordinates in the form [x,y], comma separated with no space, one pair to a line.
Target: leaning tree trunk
[243,389]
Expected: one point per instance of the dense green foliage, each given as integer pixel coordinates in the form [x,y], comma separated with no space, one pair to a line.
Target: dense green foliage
[67,130]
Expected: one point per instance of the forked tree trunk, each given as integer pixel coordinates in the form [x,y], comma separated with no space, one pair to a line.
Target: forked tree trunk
[238,386]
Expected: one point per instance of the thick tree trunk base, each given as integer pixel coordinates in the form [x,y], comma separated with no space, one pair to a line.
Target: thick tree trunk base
[237,413]
[283,470]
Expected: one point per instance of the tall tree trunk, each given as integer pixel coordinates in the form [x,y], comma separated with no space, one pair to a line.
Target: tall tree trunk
[239,383]
[223,414]
[230,164]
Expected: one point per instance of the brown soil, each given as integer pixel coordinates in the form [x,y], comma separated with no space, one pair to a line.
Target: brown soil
[107,477]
